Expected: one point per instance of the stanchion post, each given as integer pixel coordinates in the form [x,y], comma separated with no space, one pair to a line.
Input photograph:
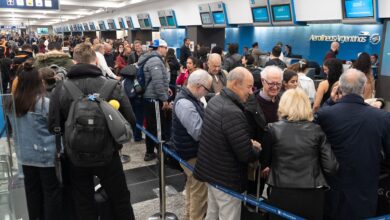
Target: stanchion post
[163,213]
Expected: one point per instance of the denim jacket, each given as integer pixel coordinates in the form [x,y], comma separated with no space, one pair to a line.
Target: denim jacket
[35,146]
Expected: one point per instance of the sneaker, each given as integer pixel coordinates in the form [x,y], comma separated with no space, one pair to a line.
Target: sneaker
[149,157]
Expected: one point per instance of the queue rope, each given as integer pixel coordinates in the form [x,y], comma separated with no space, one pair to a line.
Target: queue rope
[255,202]
[258,203]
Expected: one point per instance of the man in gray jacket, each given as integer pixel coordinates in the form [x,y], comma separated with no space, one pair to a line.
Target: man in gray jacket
[157,85]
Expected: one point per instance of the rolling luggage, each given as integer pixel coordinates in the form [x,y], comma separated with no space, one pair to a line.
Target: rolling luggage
[250,212]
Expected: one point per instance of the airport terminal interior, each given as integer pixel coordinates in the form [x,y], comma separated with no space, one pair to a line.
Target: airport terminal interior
[217,109]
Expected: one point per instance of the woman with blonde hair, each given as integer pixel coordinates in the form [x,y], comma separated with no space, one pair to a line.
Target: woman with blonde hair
[297,152]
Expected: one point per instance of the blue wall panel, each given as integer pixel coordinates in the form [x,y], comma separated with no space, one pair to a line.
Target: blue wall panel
[173,37]
[299,38]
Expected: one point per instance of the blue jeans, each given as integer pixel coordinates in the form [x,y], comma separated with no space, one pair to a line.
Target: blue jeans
[138,109]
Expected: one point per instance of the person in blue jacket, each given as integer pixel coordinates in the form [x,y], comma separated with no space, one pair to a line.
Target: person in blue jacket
[360,139]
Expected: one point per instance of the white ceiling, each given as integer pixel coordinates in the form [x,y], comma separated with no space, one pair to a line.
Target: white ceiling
[69,9]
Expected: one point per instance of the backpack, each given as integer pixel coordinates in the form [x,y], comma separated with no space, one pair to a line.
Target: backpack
[60,71]
[89,136]
[134,83]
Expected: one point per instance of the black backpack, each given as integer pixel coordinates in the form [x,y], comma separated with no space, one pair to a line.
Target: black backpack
[88,141]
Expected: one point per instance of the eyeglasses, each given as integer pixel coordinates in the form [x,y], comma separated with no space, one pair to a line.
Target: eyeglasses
[207,89]
[274,84]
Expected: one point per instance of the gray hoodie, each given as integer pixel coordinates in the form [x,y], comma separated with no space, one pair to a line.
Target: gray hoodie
[155,69]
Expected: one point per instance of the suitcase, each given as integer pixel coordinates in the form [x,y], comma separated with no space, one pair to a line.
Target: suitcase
[249,212]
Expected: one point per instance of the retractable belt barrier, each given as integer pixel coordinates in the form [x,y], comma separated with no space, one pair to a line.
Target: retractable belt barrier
[258,203]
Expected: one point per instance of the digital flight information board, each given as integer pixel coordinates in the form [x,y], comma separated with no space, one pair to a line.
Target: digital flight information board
[30,4]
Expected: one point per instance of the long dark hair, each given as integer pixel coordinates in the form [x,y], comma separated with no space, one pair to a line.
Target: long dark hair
[363,63]
[335,67]
[29,89]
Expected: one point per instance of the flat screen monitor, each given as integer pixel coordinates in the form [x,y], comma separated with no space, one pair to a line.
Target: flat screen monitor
[86,27]
[121,23]
[260,14]
[147,23]
[102,26]
[129,23]
[206,18]
[171,21]
[92,26]
[358,8]
[281,12]
[163,21]
[219,17]
[43,30]
[111,26]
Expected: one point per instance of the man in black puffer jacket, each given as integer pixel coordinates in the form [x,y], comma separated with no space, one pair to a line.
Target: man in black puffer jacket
[226,147]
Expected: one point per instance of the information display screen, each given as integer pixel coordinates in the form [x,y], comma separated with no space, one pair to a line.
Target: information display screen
[219,17]
[385,63]
[260,14]
[43,30]
[129,22]
[86,27]
[102,26]
[171,21]
[281,12]
[121,23]
[147,22]
[358,8]
[206,18]
[111,24]
[92,26]
[30,4]
[163,21]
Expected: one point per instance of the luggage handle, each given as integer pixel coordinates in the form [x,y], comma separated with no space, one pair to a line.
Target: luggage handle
[257,186]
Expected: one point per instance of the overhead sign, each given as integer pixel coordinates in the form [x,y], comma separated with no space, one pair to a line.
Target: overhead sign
[30,4]
[363,37]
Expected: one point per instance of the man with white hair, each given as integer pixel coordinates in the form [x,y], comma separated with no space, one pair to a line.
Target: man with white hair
[187,120]
[214,64]
[334,50]
[262,108]
[357,133]
[225,146]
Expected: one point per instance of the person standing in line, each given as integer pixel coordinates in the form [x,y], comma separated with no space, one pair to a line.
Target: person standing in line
[360,138]
[225,146]
[187,122]
[185,52]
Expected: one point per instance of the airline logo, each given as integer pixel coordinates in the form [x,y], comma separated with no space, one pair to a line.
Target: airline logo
[363,37]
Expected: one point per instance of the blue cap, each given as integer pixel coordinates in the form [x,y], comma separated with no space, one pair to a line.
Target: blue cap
[159,43]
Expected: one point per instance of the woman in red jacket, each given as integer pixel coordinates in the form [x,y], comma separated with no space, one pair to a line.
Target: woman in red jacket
[121,60]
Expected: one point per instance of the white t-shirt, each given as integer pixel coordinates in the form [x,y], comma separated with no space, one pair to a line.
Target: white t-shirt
[307,84]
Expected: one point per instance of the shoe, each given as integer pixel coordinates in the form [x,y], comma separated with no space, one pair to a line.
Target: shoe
[149,157]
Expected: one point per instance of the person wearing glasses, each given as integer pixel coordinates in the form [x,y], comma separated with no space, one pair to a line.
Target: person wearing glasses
[261,109]
[187,120]
[225,146]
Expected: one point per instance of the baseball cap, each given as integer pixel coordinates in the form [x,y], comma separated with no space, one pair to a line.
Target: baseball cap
[159,43]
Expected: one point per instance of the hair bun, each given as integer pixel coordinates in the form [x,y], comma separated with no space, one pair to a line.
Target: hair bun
[28,66]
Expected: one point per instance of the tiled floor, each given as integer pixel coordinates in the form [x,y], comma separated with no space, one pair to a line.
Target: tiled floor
[143,182]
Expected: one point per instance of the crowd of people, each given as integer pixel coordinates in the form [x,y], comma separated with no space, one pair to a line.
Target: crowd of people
[321,150]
